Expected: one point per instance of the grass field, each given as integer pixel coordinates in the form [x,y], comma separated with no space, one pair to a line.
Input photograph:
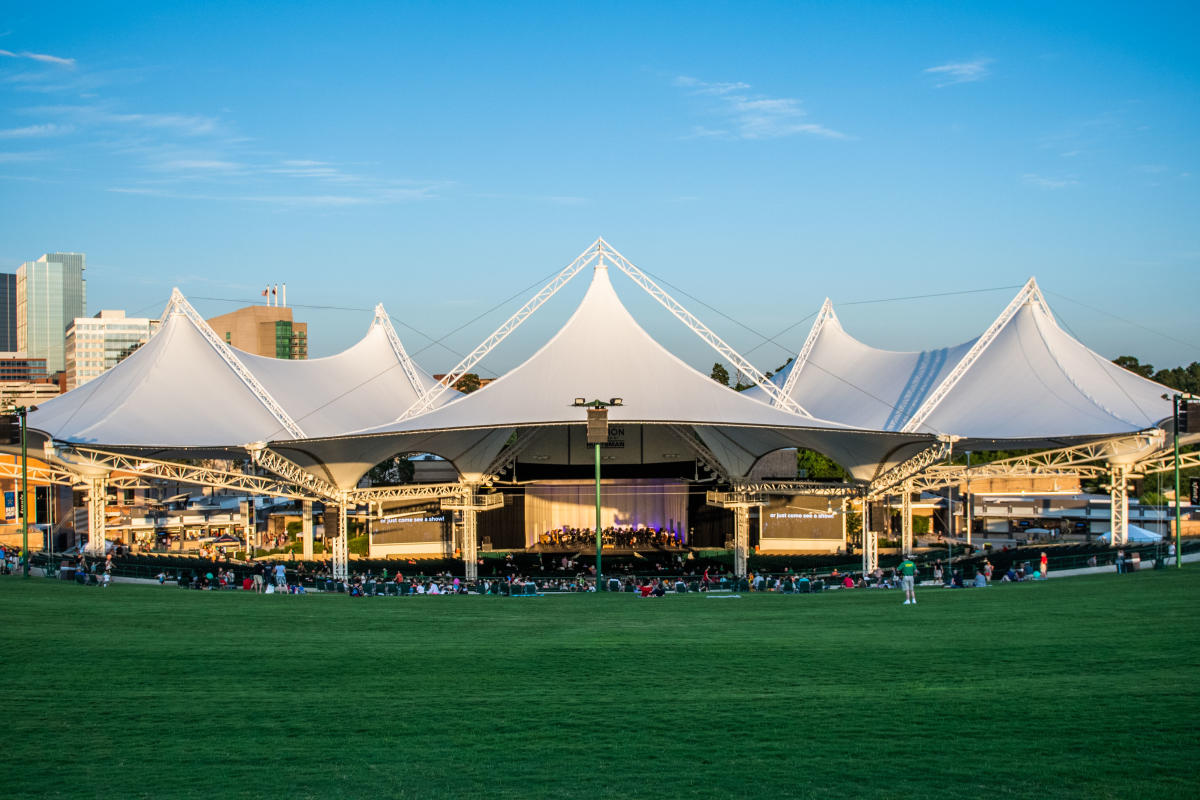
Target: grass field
[1082,687]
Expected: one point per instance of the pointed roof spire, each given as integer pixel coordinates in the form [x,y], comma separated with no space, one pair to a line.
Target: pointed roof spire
[384,321]
[826,314]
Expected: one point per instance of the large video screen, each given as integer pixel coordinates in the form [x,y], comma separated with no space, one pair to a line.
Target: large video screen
[801,517]
[407,525]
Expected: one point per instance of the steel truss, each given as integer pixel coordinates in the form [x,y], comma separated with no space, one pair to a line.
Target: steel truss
[1030,293]
[426,400]
[180,305]
[466,506]
[740,502]
[1119,505]
[1084,460]
[97,499]
[411,491]
[38,473]
[1166,463]
[702,452]
[824,315]
[596,253]
[509,453]
[406,363]
[906,526]
[805,487]
[911,467]
[294,474]
[778,397]
[92,458]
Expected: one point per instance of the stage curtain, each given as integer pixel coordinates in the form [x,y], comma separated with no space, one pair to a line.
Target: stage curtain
[651,503]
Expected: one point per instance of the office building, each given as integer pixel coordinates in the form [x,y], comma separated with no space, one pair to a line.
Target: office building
[263,330]
[95,344]
[51,293]
[20,368]
[8,312]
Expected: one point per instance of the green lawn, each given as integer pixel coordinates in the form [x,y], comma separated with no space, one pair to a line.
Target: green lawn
[1082,687]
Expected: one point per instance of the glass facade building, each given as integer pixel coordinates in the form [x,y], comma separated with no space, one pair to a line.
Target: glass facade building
[8,312]
[51,294]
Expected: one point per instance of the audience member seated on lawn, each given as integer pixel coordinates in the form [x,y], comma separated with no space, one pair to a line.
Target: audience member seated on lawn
[980,579]
[1010,576]
[848,581]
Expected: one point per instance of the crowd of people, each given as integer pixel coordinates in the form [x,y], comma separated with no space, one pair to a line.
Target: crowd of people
[619,537]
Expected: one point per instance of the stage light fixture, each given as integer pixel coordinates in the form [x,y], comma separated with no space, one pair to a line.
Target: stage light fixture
[616,401]
[581,401]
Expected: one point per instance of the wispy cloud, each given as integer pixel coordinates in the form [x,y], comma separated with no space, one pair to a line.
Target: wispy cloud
[960,72]
[36,131]
[180,154]
[93,115]
[201,165]
[751,115]
[1043,182]
[369,193]
[17,158]
[44,58]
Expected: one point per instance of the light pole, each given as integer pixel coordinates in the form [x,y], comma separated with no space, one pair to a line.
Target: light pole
[1178,404]
[597,436]
[22,500]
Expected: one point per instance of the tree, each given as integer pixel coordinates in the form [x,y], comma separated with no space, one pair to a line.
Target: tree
[812,465]
[391,472]
[468,383]
[1181,379]
[854,527]
[720,374]
[1133,365]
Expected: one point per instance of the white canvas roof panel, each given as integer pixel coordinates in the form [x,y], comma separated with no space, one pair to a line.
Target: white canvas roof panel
[1030,381]
[601,353]
[177,392]
[846,380]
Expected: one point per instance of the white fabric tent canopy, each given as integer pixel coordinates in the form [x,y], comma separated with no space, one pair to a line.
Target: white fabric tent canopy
[180,391]
[1025,381]
[1031,382]
[601,353]
[1137,535]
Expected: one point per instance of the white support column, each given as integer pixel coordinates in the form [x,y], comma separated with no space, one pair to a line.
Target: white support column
[470,543]
[1119,502]
[906,525]
[306,528]
[341,547]
[249,524]
[845,539]
[741,540]
[870,550]
[97,490]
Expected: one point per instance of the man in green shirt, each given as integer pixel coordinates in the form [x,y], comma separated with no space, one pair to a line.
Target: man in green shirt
[908,573]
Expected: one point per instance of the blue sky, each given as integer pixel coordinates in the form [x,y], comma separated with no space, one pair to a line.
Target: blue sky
[440,157]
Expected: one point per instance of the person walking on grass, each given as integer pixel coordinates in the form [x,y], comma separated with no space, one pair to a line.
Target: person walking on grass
[908,576]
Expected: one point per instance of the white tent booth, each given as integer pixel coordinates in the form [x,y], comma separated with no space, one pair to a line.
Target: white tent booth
[313,429]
